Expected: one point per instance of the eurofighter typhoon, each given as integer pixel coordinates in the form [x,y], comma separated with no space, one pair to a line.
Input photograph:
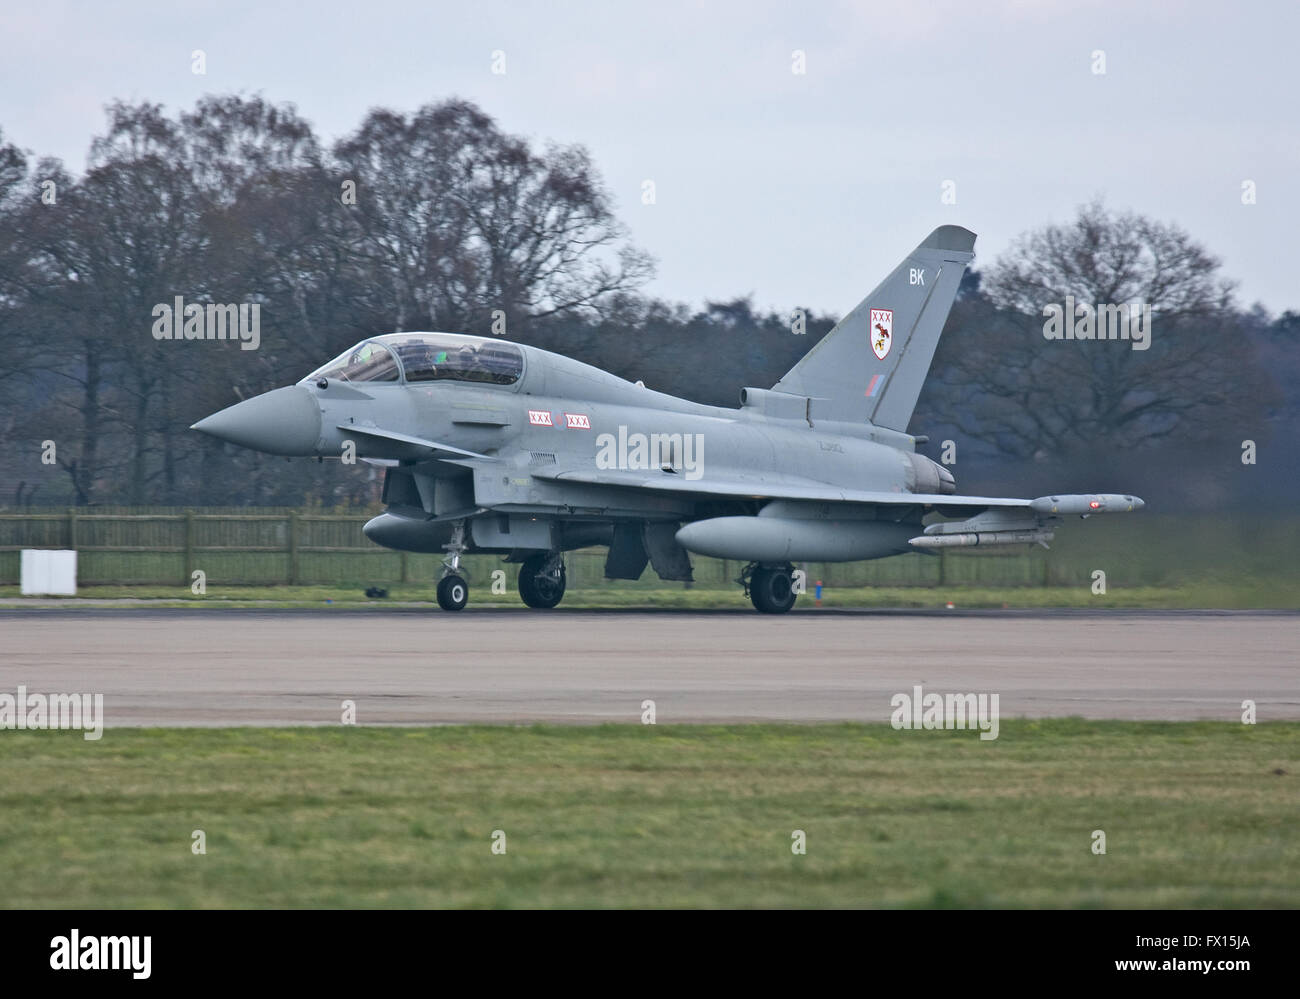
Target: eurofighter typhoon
[501,448]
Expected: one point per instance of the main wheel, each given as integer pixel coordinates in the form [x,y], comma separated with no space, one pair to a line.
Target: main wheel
[453,593]
[772,590]
[538,588]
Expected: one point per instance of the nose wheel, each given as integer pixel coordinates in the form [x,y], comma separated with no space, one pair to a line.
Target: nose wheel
[453,591]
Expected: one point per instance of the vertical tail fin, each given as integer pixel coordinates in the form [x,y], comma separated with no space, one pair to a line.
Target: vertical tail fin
[872,365]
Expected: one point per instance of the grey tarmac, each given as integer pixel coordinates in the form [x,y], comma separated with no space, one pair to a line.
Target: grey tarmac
[252,667]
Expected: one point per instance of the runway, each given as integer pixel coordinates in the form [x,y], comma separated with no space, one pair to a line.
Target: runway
[232,667]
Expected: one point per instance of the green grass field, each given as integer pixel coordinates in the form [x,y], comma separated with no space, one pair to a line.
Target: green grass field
[1195,815]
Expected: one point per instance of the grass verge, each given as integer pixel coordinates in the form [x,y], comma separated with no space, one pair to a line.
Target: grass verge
[1238,594]
[1198,814]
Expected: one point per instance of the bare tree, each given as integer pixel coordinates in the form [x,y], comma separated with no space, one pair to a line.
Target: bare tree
[1000,380]
[455,219]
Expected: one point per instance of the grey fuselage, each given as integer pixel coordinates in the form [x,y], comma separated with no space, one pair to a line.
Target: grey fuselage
[584,403]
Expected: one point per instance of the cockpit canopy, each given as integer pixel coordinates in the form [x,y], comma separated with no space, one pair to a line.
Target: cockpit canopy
[366,362]
[426,357]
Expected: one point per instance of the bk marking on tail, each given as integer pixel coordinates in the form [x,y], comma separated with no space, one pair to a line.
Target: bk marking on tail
[911,306]
[882,332]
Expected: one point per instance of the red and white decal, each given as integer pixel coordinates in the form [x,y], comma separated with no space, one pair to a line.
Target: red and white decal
[882,331]
[577,421]
[540,418]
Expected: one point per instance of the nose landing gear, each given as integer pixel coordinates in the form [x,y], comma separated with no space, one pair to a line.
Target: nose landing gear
[453,590]
[453,593]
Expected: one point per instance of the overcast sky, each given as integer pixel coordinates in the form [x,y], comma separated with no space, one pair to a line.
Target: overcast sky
[801,189]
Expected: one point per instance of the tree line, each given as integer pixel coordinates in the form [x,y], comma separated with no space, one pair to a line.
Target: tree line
[441,220]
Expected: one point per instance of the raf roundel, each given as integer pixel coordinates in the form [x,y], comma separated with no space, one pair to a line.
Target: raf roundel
[882,332]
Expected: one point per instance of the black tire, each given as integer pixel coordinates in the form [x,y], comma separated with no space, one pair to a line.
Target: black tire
[772,590]
[453,593]
[536,590]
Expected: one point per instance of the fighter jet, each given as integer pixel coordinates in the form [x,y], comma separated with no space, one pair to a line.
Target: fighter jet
[498,447]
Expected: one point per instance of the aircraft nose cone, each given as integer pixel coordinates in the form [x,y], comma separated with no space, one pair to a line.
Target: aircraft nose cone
[284,421]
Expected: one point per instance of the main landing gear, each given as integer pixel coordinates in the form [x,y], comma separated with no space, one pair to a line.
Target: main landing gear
[453,590]
[770,588]
[541,580]
[541,577]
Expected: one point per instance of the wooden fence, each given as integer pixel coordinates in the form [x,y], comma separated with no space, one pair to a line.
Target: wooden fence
[234,546]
